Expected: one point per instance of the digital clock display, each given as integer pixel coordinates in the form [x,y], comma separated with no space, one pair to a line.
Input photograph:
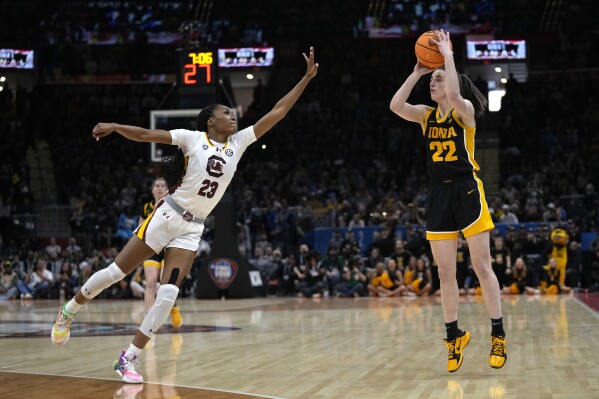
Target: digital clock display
[197,69]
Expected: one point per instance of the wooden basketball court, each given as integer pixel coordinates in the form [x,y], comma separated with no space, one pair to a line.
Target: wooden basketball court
[305,348]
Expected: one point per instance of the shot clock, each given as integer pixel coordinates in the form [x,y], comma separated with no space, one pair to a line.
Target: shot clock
[197,69]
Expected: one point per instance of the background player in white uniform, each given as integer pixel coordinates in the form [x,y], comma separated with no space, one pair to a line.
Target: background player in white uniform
[212,154]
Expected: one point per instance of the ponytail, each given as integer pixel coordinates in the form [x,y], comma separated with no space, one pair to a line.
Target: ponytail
[176,165]
[173,170]
[469,91]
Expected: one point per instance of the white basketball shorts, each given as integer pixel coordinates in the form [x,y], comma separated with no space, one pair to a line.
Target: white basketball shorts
[165,228]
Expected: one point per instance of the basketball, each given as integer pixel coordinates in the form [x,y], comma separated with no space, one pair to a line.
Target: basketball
[427,52]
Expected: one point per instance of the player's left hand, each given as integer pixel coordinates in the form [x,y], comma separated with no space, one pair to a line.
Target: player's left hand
[102,130]
[421,70]
[311,67]
[443,42]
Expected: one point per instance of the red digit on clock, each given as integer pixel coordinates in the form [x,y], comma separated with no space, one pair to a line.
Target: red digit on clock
[208,77]
[190,74]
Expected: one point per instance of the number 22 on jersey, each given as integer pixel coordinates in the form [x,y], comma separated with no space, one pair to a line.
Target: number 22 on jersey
[441,147]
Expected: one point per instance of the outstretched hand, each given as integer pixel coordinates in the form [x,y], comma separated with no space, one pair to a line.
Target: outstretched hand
[311,67]
[102,130]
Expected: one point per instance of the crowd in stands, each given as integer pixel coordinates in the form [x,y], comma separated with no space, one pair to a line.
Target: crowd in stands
[405,18]
[524,261]
[15,192]
[58,271]
[340,159]
[549,158]
[82,39]
[135,38]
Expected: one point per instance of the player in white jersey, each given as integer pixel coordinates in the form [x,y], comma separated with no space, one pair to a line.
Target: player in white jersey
[176,224]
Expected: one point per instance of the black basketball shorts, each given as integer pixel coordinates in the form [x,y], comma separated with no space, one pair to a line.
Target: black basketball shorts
[455,205]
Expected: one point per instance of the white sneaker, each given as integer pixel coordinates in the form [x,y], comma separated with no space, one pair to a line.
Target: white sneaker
[61,330]
[125,368]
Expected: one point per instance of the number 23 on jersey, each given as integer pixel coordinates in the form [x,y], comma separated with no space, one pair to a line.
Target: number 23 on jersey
[208,188]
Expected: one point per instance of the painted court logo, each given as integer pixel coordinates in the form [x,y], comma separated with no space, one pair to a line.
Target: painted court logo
[222,271]
[29,329]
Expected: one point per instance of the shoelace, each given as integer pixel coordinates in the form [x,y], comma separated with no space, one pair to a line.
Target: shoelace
[130,365]
[65,321]
[497,346]
[451,347]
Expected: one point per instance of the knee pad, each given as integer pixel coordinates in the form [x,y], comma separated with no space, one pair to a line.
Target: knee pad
[165,299]
[102,280]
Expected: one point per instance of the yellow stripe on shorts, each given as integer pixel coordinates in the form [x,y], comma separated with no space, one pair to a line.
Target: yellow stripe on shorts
[141,232]
[152,263]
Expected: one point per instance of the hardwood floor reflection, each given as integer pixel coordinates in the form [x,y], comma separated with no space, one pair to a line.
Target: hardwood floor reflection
[20,385]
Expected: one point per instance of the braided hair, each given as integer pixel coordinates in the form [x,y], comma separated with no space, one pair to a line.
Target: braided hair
[176,165]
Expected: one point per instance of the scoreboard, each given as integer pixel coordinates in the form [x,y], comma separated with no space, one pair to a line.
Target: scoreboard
[496,49]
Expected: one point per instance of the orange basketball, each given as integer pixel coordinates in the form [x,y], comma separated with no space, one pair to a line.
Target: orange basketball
[427,51]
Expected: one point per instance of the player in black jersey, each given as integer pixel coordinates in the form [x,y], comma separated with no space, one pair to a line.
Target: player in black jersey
[153,265]
[456,200]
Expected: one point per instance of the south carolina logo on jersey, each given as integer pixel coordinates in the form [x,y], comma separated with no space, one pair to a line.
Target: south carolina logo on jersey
[215,166]
[222,271]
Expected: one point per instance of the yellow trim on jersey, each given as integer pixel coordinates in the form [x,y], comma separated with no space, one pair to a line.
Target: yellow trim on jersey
[208,139]
[461,123]
[428,114]
[443,235]
[484,222]
[469,133]
[212,145]
[152,263]
[444,118]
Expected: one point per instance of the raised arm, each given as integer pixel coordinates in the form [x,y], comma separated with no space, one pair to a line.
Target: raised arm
[463,107]
[284,104]
[134,133]
[399,105]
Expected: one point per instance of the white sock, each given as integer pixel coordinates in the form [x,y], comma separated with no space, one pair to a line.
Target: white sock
[72,307]
[132,351]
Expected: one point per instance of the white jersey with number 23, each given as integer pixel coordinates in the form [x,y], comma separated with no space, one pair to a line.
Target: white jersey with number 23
[210,167]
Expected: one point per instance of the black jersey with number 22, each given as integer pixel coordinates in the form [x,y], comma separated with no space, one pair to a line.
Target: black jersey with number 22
[449,146]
